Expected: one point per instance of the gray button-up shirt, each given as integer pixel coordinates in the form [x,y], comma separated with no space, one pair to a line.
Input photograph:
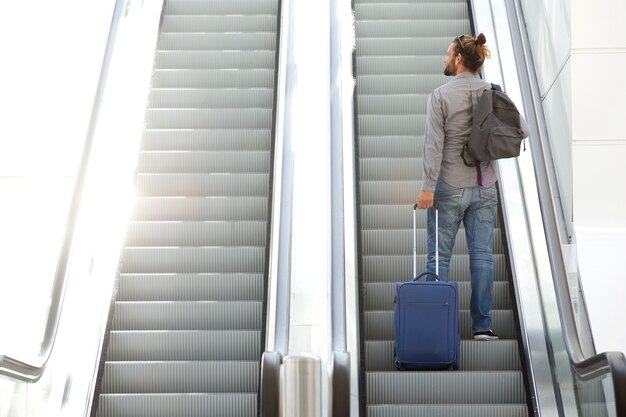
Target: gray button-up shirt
[448,125]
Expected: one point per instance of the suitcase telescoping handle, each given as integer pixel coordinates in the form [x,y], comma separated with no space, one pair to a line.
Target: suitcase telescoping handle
[415,245]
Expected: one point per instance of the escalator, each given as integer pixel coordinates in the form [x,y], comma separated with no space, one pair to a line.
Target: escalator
[400,49]
[188,316]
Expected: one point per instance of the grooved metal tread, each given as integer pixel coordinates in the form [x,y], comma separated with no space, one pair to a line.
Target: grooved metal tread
[378,324]
[395,268]
[184,345]
[200,208]
[475,355]
[380,295]
[454,387]
[206,139]
[450,410]
[190,287]
[168,405]
[181,377]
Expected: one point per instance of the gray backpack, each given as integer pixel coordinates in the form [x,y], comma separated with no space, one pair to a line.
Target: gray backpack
[496,130]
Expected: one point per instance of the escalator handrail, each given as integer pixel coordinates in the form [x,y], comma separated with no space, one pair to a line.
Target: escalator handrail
[30,370]
[276,308]
[585,365]
[343,199]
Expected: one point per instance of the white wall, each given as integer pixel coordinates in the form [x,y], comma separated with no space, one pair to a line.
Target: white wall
[598,152]
[579,47]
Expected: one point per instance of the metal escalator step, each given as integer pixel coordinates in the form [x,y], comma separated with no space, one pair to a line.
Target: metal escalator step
[169,405]
[209,118]
[193,260]
[202,185]
[185,345]
[216,23]
[390,169]
[214,60]
[404,10]
[187,315]
[204,161]
[452,410]
[190,287]
[394,104]
[200,209]
[180,377]
[396,216]
[378,325]
[398,84]
[206,139]
[214,41]
[400,65]
[173,98]
[497,355]
[390,192]
[213,233]
[413,28]
[226,7]
[391,216]
[391,125]
[391,146]
[380,295]
[399,242]
[213,78]
[458,387]
[392,47]
[393,268]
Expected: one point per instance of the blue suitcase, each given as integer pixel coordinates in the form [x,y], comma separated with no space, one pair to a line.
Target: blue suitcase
[426,321]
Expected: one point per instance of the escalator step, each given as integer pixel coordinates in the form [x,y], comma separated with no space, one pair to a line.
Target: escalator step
[453,410]
[185,162]
[398,84]
[451,9]
[395,242]
[206,139]
[261,98]
[215,233]
[169,405]
[202,185]
[248,118]
[455,387]
[200,209]
[194,260]
[184,345]
[180,377]
[190,287]
[392,104]
[213,41]
[217,23]
[187,315]
[405,27]
[378,325]
[213,78]
[396,268]
[498,355]
[221,7]
[380,295]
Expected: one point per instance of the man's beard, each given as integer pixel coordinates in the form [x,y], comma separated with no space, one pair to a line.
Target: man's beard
[450,69]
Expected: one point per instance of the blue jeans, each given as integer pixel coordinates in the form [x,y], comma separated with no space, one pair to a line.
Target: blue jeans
[476,207]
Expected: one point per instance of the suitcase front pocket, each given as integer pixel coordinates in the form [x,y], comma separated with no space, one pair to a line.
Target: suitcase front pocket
[426,330]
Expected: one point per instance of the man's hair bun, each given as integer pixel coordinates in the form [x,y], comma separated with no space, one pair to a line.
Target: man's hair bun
[481,40]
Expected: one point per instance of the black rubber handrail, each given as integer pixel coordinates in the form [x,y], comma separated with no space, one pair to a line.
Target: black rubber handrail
[585,366]
[31,371]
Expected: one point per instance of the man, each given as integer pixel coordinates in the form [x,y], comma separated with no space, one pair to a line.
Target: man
[451,186]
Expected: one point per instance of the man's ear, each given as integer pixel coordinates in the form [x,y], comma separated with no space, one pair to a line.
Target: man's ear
[458,59]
